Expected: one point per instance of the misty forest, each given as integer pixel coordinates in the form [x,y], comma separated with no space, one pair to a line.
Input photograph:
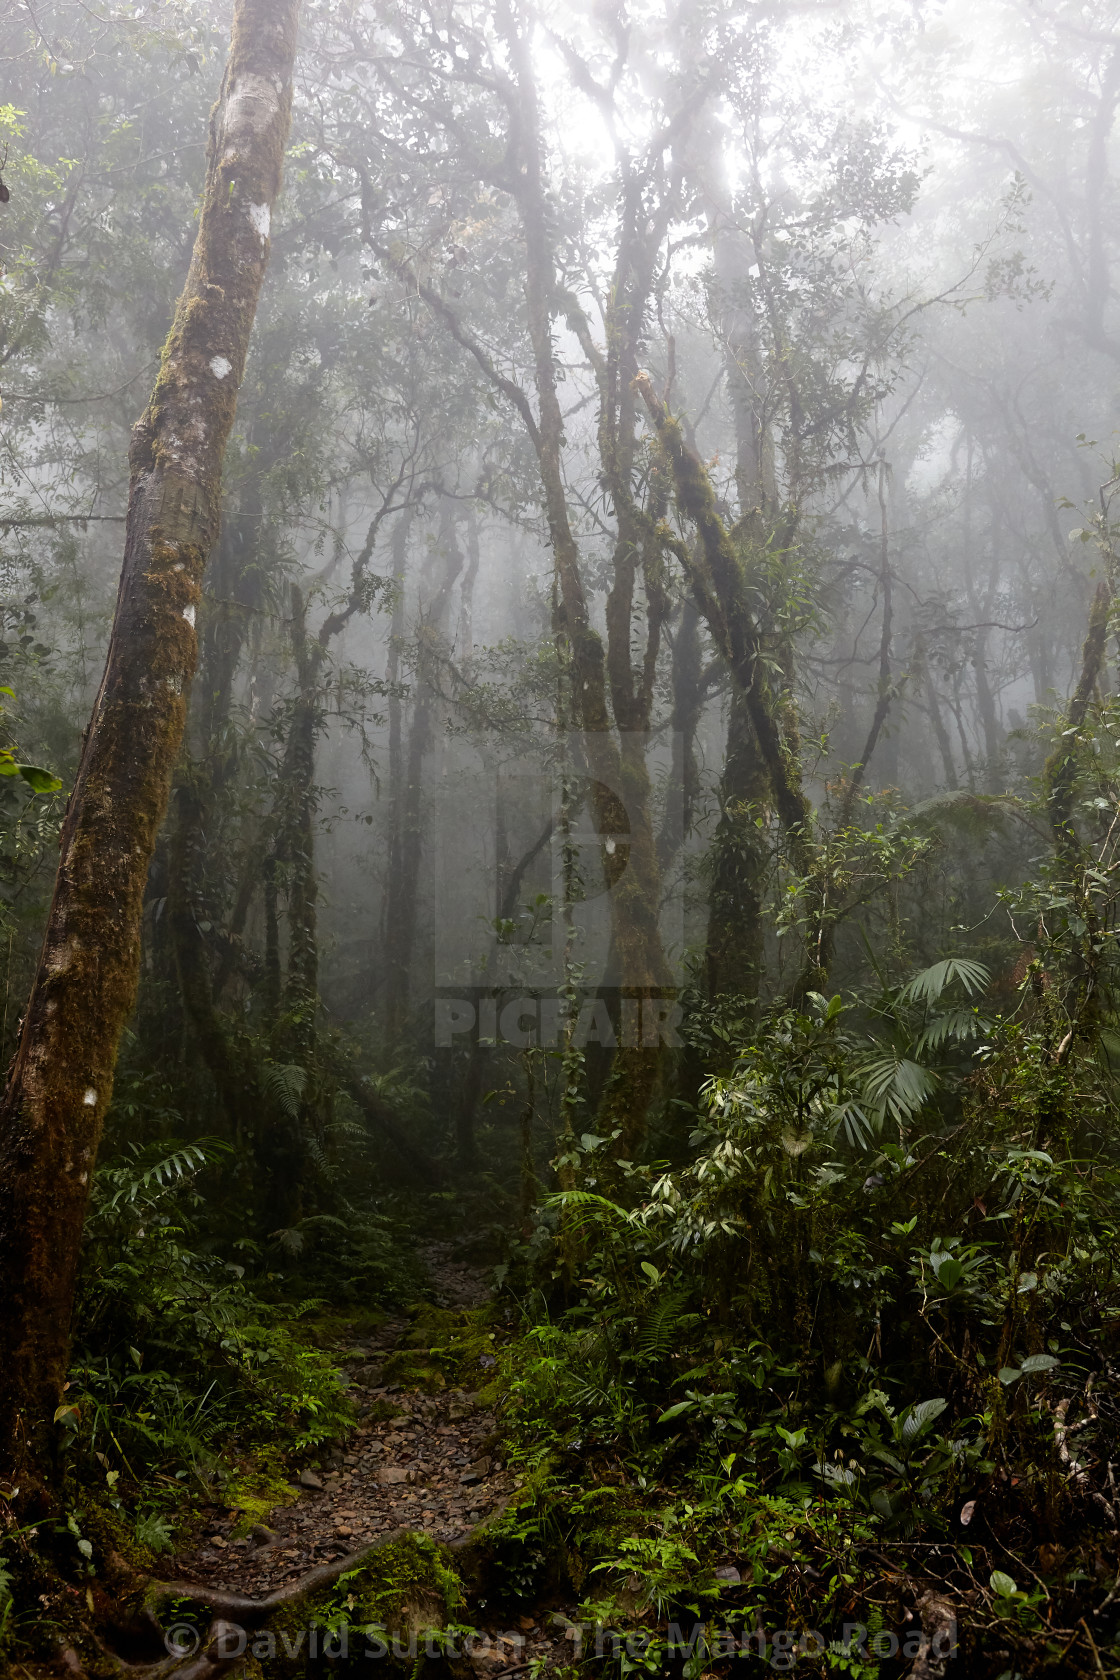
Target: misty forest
[559,839]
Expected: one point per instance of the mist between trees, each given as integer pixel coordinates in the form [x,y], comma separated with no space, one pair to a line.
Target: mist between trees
[650,775]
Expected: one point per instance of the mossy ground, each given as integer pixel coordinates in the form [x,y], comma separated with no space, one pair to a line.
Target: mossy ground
[448,1348]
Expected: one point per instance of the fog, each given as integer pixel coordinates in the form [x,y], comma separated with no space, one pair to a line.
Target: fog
[865,259]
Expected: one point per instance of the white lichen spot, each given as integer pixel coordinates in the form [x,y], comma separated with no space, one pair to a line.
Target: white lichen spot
[188,614]
[261,217]
[175,684]
[220,366]
[90,1098]
[83,1178]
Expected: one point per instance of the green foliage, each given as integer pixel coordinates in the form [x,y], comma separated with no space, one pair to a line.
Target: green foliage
[858,1305]
[178,1357]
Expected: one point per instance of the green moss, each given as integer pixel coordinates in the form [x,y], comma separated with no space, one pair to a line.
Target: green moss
[414,1370]
[442,1348]
[338,1329]
[256,1494]
[400,1590]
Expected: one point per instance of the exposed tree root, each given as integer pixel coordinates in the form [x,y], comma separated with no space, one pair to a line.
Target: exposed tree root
[257,1609]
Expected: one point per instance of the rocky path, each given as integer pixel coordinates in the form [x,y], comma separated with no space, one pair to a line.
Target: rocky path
[434,1467]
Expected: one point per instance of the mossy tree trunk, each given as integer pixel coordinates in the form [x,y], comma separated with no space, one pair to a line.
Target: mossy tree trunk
[740,860]
[1077,863]
[61,1079]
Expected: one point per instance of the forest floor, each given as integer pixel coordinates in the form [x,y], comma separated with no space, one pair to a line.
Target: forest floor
[425,1463]
[429,1462]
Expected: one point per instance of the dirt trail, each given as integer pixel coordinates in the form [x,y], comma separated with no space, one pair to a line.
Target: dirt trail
[436,1468]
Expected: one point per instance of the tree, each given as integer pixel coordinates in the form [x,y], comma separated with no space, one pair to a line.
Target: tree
[62,1076]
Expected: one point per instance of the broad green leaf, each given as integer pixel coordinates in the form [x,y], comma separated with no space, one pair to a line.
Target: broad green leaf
[949,1272]
[919,1418]
[1002,1584]
[1039,1362]
[40,781]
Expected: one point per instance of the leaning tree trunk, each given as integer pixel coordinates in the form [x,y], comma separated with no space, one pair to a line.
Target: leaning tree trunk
[61,1079]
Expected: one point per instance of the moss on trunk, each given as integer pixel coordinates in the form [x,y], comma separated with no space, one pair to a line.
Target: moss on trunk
[62,1075]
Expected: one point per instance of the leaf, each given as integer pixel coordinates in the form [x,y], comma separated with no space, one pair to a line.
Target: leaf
[919,1418]
[651,1271]
[886,1457]
[897,1085]
[1039,1362]
[1027,1282]
[284,1083]
[928,986]
[958,1024]
[1009,1374]
[675,1411]
[39,780]
[86,1548]
[1002,1584]
[968,1511]
[949,1272]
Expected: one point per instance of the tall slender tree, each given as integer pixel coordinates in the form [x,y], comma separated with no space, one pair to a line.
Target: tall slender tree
[62,1077]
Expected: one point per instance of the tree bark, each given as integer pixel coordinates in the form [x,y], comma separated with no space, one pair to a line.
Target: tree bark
[735,944]
[61,1079]
[403,906]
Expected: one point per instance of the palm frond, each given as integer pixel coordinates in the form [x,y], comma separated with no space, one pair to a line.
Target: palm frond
[957,1024]
[896,1085]
[928,986]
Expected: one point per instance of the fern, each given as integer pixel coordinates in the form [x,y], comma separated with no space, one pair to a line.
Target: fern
[118,1185]
[284,1086]
[591,1209]
[659,1326]
[154,1532]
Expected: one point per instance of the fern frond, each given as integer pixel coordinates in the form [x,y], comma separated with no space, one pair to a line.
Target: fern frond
[659,1326]
[593,1208]
[126,1184]
[284,1086]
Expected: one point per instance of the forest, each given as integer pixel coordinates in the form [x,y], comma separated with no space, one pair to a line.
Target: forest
[559,839]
